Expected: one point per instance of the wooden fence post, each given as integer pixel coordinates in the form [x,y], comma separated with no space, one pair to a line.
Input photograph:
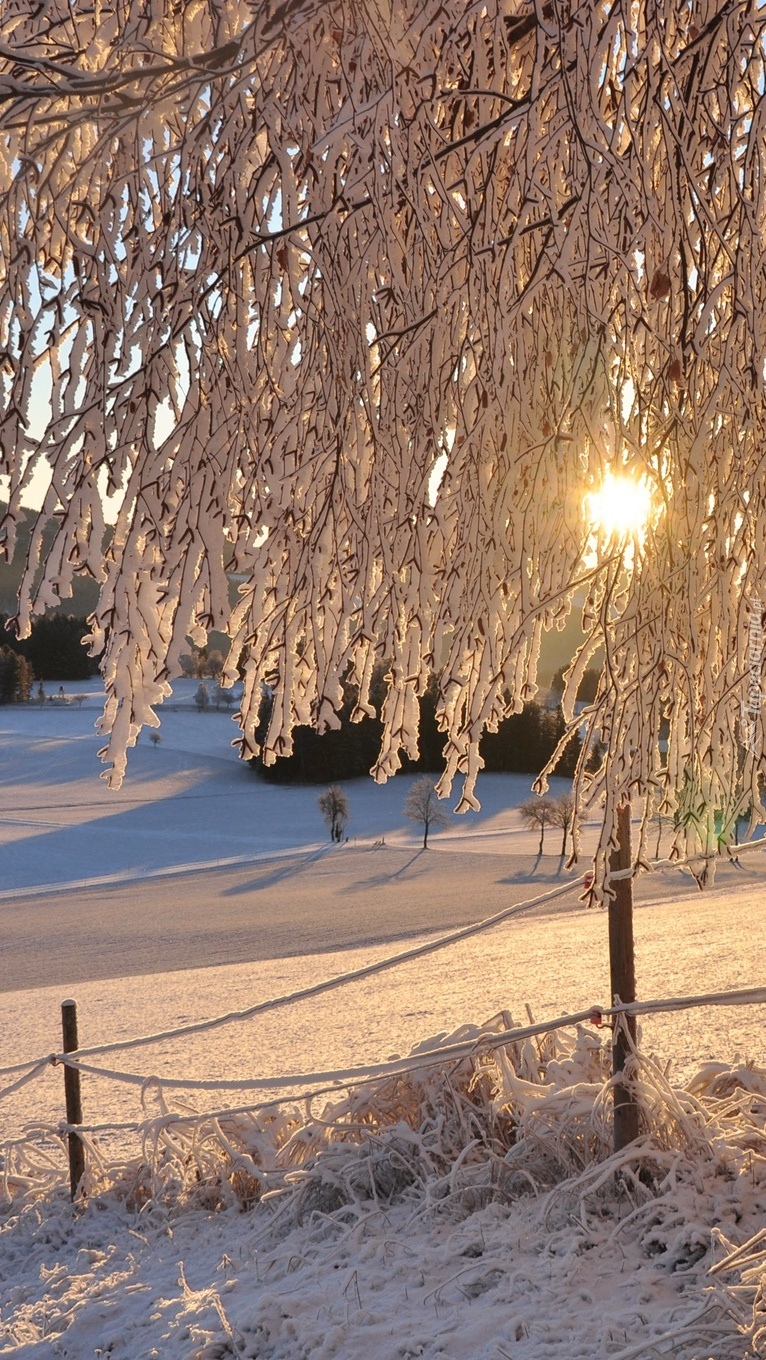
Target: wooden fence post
[622,969]
[73,1099]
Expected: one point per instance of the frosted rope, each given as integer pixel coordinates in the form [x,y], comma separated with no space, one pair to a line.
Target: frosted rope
[342,1076]
[22,1066]
[356,975]
[429,1057]
[369,970]
[360,1075]
[329,984]
[35,1070]
[61,1128]
[732,852]
[651,866]
[749,996]
[381,965]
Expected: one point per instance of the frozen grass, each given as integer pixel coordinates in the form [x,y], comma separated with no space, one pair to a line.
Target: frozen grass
[474,1206]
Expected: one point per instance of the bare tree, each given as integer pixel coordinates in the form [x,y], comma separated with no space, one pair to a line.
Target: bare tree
[562,815]
[361,312]
[213,663]
[660,820]
[422,806]
[223,698]
[537,814]
[333,805]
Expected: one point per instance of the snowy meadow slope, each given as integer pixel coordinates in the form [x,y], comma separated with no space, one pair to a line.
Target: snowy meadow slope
[198,890]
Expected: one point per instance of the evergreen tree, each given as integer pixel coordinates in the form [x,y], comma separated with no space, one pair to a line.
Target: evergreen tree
[523,743]
[55,648]
[16,677]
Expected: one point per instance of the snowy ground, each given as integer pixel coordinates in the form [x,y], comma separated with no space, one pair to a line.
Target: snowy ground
[196,890]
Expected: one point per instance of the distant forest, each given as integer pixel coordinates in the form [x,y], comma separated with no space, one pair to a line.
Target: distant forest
[523,743]
[53,652]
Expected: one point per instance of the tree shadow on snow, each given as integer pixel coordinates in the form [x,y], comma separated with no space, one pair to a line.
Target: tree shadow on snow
[295,865]
[539,869]
[380,880]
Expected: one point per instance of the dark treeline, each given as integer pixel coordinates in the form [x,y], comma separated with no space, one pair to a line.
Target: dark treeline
[54,650]
[523,743]
[587,688]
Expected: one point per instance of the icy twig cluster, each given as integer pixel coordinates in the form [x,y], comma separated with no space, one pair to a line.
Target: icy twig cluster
[353,303]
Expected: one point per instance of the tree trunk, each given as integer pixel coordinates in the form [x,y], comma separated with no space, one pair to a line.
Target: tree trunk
[425,835]
[564,842]
[542,835]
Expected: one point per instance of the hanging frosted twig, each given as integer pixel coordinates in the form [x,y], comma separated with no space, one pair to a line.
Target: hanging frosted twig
[355,301]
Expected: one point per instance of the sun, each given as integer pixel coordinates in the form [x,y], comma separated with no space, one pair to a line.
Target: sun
[620,507]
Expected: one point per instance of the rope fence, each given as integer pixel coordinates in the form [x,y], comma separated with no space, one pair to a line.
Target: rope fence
[307,1086]
[342,979]
[581,884]
[596,1015]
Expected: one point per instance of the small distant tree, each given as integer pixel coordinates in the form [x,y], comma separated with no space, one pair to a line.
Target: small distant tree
[661,821]
[201,663]
[155,738]
[422,805]
[333,805]
[223,698]
[214,663]
[40,693]
[202,698]
[537,814]
[562,815]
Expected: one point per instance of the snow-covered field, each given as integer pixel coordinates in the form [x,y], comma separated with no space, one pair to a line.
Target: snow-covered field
[197,890]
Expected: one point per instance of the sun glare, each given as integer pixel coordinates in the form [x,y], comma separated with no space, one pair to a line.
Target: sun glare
[620,507]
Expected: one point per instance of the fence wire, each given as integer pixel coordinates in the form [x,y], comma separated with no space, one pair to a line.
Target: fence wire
[308,1085]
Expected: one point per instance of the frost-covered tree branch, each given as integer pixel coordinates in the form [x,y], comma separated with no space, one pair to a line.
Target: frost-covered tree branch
[356,301]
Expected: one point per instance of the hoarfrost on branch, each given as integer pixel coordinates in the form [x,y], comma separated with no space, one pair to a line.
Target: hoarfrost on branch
[267,270]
